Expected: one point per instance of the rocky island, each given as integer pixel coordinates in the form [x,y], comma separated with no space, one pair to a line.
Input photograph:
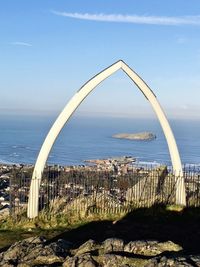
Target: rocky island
[146,136]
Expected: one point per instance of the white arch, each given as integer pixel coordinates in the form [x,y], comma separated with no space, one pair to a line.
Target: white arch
[72,106]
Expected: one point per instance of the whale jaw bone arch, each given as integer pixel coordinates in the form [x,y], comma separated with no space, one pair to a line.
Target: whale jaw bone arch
[70,108]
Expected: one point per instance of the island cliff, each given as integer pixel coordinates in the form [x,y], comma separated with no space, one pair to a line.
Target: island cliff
[136,136]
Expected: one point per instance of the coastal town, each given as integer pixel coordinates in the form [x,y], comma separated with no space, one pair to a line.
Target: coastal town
[111,177]
[120,179]
[22,172]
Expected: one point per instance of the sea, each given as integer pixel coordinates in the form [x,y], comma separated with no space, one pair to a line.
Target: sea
[85,138]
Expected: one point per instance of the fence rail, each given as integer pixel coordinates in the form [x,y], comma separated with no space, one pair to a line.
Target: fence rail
[85,191]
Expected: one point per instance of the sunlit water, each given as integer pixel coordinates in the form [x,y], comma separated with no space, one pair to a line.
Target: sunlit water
[89,138]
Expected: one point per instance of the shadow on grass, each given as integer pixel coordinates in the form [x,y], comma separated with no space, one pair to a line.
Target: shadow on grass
[155,223]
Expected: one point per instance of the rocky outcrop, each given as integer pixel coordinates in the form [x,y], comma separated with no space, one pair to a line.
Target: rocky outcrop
[87,204]
[163,261]
[83,260]
[135,136]
[35,251]
[143,193]
[111,252]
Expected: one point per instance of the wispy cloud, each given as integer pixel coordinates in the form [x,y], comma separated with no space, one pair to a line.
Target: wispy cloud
[136,19]
[21,43]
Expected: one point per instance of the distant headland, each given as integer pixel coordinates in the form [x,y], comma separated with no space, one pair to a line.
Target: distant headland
[146,136]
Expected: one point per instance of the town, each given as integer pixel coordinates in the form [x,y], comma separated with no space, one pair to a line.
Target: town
[110,177]
[119,181]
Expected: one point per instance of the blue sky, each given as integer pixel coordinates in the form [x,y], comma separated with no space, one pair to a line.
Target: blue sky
[48,49]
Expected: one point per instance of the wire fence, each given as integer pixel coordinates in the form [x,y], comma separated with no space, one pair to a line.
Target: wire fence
[88,190]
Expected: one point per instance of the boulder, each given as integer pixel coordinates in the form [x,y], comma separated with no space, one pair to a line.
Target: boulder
[111,260]
[35,251]
[84,260]
[113,252]
[168,262]
[19,249]
[150,248]
[195,259]
[88,246]
[113,244]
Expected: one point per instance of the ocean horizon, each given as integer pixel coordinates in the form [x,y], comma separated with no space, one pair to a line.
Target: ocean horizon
[86,138]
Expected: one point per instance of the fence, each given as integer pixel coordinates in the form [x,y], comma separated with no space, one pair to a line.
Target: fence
[87,191]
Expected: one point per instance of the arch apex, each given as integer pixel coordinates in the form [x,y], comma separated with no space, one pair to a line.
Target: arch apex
[121,61]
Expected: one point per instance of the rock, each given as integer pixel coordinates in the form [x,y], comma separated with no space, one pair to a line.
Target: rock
[196,260]
[84,260]
[88,246]
[35,240]
[160,192]
[150,248]
[168,246]
[113,252]
[23,265]
[113,244]
[19,249]
[6,265]
[86,204]
[111,260]
[34,251]
[47,255]
[167,262]
[136,247]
